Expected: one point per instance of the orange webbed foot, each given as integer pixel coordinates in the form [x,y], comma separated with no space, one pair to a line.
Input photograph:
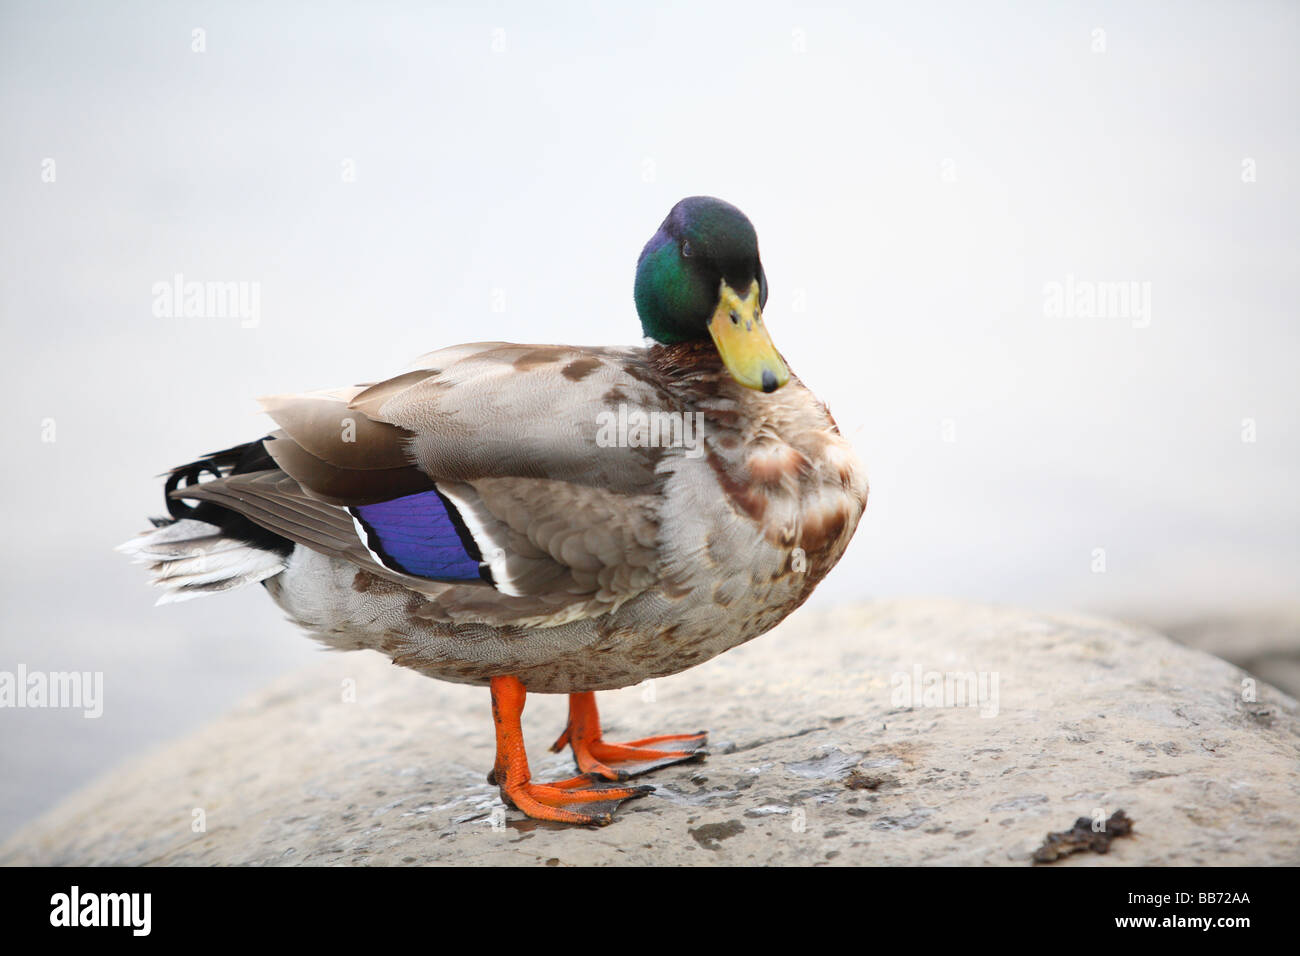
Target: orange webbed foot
[584,799]
[571,801]
[613,761]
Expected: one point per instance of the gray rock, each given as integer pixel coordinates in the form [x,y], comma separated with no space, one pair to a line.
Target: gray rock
[817,757]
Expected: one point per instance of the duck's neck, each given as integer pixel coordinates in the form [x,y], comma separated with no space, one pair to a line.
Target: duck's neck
[696,368]
[753,439]
[693,371]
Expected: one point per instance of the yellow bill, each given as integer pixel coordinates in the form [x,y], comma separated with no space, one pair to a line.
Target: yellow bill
[742,340]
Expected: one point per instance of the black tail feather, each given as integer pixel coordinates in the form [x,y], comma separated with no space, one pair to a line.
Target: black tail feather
[238,460]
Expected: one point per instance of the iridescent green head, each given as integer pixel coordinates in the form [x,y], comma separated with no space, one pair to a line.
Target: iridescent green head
[700,278]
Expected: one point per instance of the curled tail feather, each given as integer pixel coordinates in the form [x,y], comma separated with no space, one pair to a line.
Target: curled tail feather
[206,549]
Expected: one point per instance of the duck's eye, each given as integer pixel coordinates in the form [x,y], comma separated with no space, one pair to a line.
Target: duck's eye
[687,251]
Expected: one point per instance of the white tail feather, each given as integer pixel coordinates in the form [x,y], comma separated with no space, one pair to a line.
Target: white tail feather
[191,558]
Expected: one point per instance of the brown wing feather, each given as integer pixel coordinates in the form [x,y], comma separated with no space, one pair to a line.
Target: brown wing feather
[344,486]
[326,426]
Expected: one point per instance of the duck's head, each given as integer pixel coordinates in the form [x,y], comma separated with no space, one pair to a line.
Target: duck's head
[699,279]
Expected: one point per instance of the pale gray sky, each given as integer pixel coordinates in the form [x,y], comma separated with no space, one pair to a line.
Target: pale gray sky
[919,176]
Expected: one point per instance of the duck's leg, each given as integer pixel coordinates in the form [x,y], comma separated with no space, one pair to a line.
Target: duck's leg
[621,761]
[568,801]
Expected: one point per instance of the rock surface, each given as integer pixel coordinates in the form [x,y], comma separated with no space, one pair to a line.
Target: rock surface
[815,758]
[1265,644]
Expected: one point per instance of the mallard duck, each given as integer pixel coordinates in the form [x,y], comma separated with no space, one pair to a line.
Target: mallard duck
[544,518]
